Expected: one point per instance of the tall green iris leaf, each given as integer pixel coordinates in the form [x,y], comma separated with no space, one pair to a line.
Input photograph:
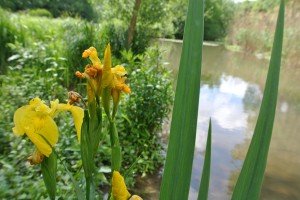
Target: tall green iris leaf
[49,167]
[178,166]
[249,182]
[204,186]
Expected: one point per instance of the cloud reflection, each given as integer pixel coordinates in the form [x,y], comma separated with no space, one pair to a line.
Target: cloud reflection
[224,103]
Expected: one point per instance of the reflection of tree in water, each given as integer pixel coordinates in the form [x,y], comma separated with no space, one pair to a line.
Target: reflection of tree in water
[211,80]
[251,104]
[272,187]
[252,99]
[281,180]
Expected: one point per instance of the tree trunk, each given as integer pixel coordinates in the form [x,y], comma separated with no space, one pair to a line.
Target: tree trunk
[132,24]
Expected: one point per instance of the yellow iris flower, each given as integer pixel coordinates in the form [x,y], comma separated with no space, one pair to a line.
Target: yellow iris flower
[119,189]
[104,77]
[36,120]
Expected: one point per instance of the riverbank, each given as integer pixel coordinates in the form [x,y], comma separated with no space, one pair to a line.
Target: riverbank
[252,32]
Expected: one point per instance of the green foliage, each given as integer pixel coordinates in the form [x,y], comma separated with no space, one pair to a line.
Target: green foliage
[144,110]
[41,56]
[265,5]
[40,12]
[251,176]
[116,16]
[217,16]
[204,184]
[115,32]
[35,66]
[83,38]
[253,29]
[55,7]
[9,33]
[178,166]
[49,167]
[38,62]
[179,14]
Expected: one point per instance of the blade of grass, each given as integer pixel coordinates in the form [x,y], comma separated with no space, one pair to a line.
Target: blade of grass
[180,154]
[249,182]
[204,185]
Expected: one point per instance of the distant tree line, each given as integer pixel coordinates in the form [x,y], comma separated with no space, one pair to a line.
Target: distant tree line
[217,16]
[57,8]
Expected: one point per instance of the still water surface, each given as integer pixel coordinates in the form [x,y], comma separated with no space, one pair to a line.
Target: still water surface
[231,92]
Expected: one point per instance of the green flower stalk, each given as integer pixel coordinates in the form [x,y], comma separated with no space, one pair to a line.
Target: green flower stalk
[103,82]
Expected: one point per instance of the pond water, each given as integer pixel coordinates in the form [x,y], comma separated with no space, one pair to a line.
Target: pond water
[231,92]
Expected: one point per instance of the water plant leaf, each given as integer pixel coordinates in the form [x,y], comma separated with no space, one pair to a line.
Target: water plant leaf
[78,190]
[180,154]
[49,167]
[250,179]
[204,185]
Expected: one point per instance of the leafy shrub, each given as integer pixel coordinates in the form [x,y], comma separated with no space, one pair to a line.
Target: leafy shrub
[40,12]
[115,32]
[10,32]
[144,111]
[38,62]
[56,7]
[78,36]
[217,15]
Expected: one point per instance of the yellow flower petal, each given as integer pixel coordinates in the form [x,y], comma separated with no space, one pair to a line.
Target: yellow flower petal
[64,107]
[119,70]
[119,189]
[126,89]
[119,79]
[38,105]
[135,197]
[45,126]
[107,76]
[35,102]
[54,105]
[78,115]
[18,119]
[92,54]
[40,143]
[41,130]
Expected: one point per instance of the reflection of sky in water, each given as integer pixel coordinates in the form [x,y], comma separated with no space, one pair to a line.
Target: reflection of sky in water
[224,104]
[233,103]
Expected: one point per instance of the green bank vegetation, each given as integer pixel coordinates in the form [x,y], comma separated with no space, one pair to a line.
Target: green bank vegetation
[39,56]
[252,28]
